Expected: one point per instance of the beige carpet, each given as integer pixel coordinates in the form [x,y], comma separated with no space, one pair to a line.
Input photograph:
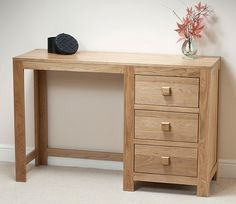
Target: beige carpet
[67,185]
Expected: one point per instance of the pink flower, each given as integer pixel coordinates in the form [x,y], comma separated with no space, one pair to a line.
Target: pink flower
[190,11]
[200,7]
[192,25]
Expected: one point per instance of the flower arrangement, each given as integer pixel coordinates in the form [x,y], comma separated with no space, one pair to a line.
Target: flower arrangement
[191,26]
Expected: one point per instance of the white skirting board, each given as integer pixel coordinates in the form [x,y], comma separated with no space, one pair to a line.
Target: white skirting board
[227,168]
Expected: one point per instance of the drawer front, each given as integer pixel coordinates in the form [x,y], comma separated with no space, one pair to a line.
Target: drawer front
[166,160]
[167,126]
[166,91]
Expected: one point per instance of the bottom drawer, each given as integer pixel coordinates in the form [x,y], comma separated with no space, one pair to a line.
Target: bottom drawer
[166,160]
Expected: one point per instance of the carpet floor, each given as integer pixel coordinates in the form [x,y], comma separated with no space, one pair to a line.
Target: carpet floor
[68,185]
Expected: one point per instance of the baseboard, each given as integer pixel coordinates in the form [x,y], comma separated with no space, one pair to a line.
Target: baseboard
[227,167]
[7,153]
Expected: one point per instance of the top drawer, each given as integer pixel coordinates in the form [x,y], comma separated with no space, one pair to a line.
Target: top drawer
[166,91]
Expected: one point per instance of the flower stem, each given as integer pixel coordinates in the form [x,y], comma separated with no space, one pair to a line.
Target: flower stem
[177,15]
[189,44]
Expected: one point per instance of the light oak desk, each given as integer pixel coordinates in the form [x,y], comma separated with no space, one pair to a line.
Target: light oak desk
[171,105]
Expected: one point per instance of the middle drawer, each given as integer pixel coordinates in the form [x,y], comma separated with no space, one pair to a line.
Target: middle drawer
[169,126]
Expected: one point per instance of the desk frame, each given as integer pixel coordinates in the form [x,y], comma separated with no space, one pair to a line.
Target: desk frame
[129,65]
[42,151]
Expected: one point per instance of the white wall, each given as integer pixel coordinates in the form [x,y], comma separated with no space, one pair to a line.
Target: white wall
[86,110]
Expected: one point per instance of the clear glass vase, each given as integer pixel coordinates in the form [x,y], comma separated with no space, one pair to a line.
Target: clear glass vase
[189,48]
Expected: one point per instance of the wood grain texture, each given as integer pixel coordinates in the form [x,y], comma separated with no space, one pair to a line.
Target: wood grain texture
[208,129]
[41,117]
[166,143]
[182,126]
[203,186]
[217,67]
[36,117]
[31,156]
[166,108]
[128,158]
[165,178]
[183,161]
[84,154]
[213,173]
[119,58]
[213,120]
[168,71]
[184,91]
[75,67]
[19,120]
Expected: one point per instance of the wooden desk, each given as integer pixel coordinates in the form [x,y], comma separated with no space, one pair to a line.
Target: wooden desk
[171,103]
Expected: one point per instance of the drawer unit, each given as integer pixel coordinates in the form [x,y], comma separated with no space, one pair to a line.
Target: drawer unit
[166,91]
[169,126]
[174,125]
[166,160]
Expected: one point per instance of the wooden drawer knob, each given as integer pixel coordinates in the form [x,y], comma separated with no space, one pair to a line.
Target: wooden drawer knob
[165,126]
[166,91]
[165,161]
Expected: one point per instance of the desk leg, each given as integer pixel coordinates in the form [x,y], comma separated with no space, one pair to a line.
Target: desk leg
[19,119]
[128,158]
[203,186]
[41,117]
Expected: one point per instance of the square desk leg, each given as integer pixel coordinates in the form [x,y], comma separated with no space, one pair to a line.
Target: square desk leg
[19,112]
[128,182]
[41,117]
[41,120]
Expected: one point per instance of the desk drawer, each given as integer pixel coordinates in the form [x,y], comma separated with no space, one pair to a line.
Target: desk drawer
[169,126]
[166,91]
[166,160]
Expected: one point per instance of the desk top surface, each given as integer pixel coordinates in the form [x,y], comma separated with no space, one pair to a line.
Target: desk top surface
[119,58]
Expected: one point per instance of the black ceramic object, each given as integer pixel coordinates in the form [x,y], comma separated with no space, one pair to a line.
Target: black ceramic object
[62,44]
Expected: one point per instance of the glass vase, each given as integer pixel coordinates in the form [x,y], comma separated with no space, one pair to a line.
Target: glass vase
[189,48]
